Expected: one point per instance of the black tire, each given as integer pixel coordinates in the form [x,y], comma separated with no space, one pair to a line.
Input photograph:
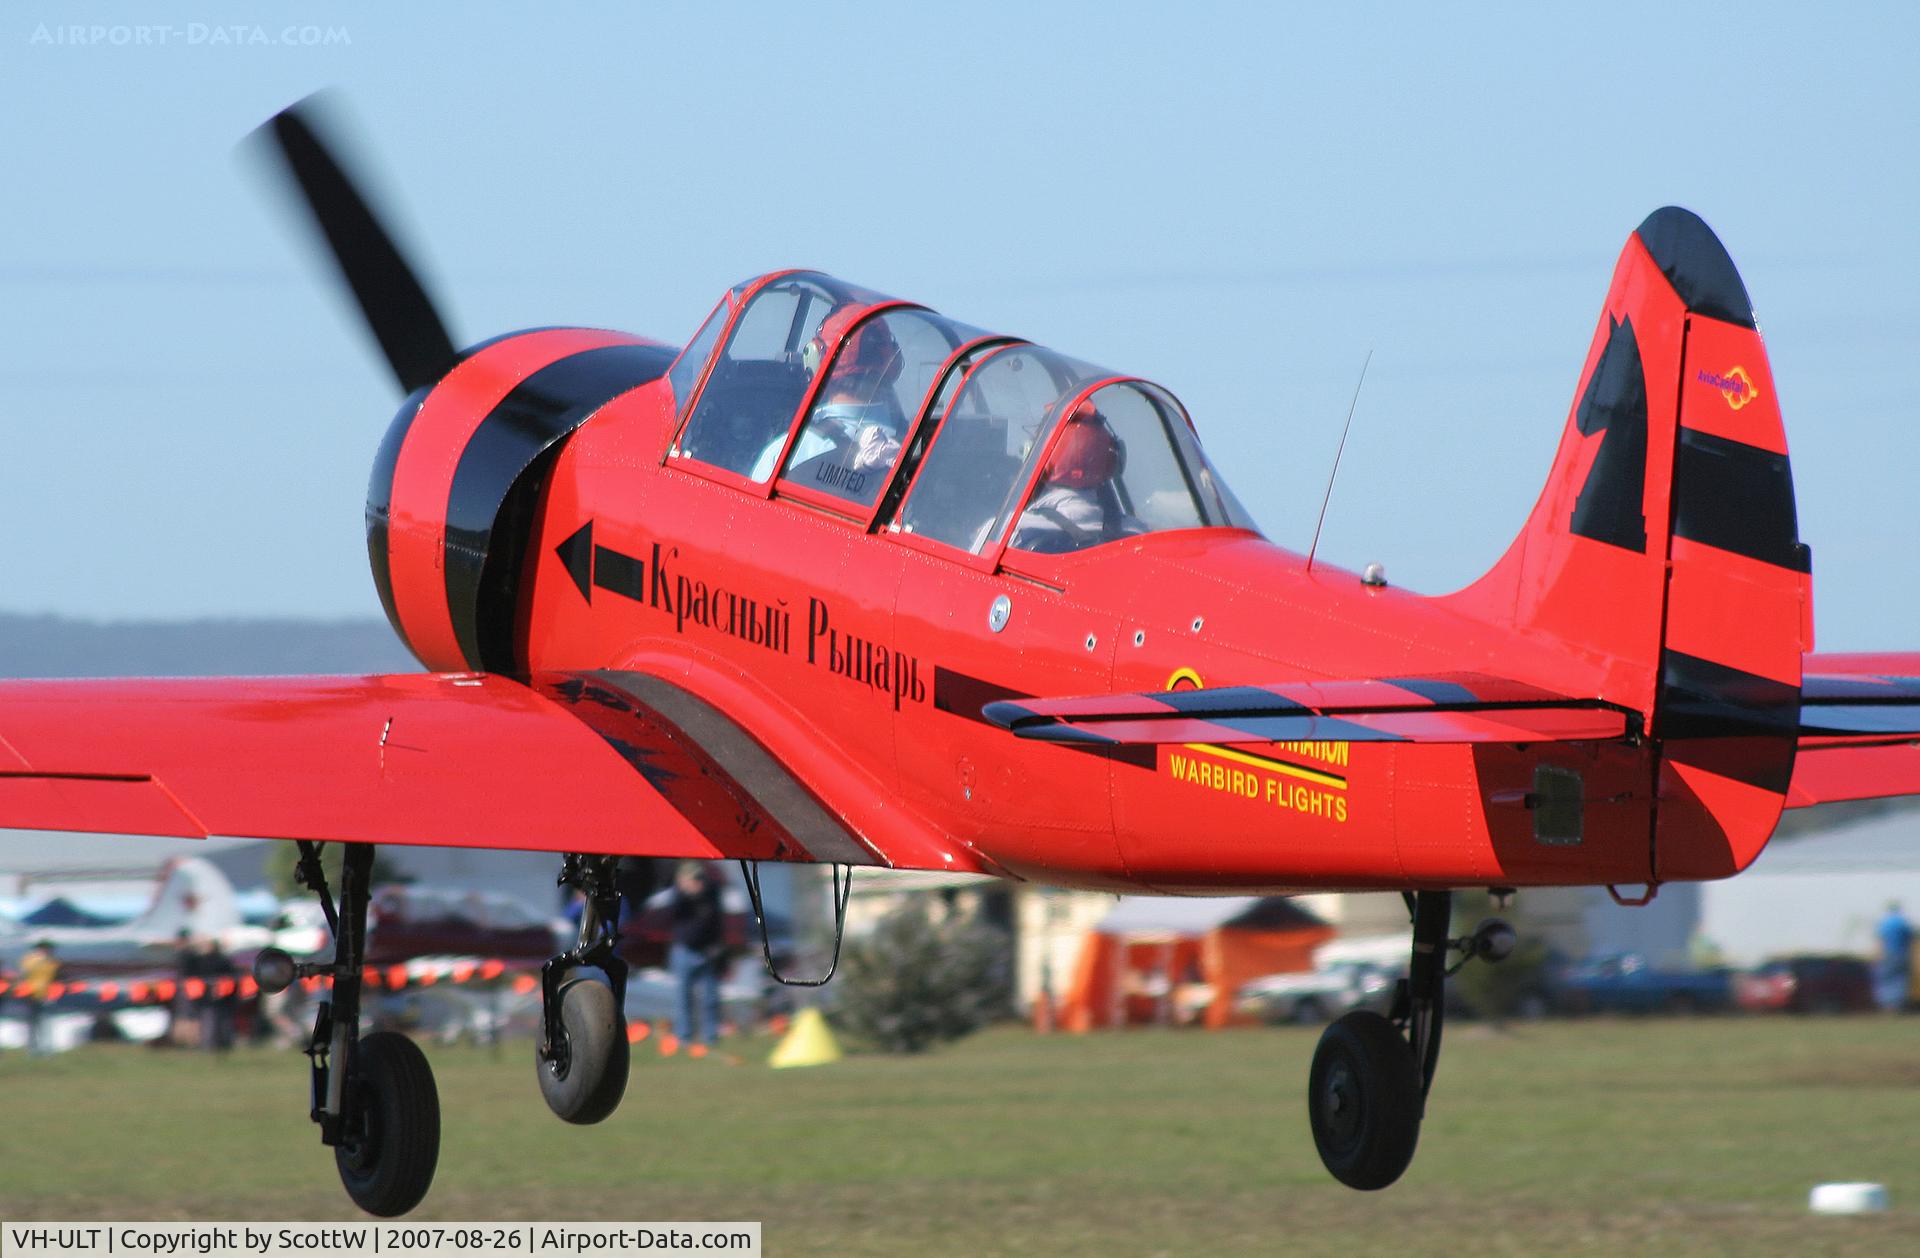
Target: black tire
[586,1075]
[1364,1100]
[1307,1012]
[391,1141]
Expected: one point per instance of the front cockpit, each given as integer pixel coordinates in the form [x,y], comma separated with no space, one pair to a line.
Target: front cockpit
[804,387]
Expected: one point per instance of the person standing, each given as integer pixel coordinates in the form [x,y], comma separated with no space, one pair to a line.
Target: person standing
[1893,976]
[186,961]
[39,971]
[698,952]
[217,1004]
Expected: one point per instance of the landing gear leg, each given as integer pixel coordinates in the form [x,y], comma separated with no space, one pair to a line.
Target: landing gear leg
[1367,1090]
[582,1054]
[373,1097]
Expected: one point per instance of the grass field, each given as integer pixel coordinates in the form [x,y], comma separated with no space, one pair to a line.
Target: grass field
[1696,1137]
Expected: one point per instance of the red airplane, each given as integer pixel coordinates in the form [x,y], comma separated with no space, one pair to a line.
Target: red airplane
[847,582]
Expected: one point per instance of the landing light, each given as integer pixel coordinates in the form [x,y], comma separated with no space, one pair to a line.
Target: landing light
[274,970]
[1493,940]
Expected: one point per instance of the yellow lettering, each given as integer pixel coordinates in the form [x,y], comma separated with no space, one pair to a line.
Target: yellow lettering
[1274,790]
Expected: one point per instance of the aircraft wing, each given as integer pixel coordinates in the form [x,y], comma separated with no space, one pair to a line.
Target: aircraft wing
[1453,708]
[578,762]
[1859,729]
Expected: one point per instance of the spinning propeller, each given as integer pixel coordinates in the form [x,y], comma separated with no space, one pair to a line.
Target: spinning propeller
[398,310]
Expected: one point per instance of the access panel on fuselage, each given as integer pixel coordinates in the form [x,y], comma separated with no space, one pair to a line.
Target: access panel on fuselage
[1034,809]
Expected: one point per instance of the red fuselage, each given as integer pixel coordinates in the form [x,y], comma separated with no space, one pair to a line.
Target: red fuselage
[862,658]
[569,501]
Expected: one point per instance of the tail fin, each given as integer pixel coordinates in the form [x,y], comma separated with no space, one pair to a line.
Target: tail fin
[193,898]
[1665,552]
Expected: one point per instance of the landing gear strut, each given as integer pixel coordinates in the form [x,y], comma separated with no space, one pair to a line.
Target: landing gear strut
[1367,1089]
[373,1097]
[582,1054]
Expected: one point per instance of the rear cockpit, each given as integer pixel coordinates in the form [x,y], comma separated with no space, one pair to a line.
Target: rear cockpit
[807,388]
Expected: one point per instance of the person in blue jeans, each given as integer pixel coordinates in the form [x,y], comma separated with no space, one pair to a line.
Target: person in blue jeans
[698,953]
[1894,974]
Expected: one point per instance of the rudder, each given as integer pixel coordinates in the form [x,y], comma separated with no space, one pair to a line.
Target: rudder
[1664,549]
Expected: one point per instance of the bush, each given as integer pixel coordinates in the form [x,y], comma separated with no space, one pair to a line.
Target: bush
[913,983]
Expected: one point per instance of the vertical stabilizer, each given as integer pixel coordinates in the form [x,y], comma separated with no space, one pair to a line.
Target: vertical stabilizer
[1664,551]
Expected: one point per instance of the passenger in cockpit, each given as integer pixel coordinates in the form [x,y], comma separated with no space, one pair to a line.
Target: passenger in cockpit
[855,429]
[1076,503]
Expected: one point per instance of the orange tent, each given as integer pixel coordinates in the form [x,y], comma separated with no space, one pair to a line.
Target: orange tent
[1167,960]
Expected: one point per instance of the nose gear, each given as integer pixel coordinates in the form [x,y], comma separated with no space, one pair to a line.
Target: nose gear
[582,1056]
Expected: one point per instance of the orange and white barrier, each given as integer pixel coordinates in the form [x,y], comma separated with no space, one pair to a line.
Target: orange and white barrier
[163,991]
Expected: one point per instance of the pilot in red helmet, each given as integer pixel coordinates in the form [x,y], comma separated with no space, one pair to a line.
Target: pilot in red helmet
[1077,503]
[856,425]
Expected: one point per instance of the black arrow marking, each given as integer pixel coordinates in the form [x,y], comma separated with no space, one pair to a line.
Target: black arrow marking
[620,574]
[601,567]
[576,553]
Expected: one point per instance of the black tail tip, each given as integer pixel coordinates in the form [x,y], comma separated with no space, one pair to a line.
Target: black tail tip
[1696,264]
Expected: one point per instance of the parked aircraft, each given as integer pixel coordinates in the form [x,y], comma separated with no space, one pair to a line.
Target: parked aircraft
[192,897]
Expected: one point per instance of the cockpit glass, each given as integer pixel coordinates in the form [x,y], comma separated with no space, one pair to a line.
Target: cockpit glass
[1113,474]
[763,371]
[992,432]
[881,374]
[1125,464]
[1217,501]
[685,373]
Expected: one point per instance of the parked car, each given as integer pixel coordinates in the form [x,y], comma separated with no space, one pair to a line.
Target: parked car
[1627,982]
[1318,995]
[1807,984]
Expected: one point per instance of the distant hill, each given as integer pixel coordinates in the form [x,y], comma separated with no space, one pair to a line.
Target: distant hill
[58,646]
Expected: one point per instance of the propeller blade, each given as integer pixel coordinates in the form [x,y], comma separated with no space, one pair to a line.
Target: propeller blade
[397,308]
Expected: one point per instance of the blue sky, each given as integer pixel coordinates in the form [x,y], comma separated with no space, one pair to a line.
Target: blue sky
[1239,202]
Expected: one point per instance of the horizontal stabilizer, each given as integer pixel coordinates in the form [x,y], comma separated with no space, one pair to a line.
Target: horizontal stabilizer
[1859,729]
[1860,694]
[1827,773]
[1457,708]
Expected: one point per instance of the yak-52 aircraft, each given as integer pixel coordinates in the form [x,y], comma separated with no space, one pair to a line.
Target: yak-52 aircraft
[848,582]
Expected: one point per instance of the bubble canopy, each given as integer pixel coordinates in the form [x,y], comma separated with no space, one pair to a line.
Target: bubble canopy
[799,385]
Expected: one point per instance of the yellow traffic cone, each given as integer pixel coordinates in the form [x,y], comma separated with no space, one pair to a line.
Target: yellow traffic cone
[809,1043]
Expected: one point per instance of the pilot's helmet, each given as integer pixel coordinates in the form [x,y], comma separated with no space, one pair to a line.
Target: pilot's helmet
[869,360]
[1089,454]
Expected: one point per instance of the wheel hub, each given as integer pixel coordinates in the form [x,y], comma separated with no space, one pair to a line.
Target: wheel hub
[1342,1105]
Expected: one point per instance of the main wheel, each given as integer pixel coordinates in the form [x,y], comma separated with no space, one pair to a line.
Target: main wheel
[585,1074]
[391,1141]
[1364,1100]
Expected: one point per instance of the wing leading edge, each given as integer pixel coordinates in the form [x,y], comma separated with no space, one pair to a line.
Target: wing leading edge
[569,763]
